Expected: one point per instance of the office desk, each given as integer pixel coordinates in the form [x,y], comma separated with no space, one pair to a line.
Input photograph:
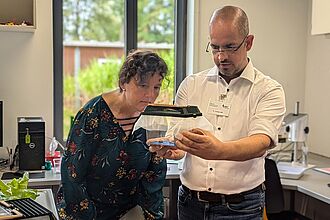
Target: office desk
[312,183]
[305,195]
[46,199]
[51,179]
[309,195]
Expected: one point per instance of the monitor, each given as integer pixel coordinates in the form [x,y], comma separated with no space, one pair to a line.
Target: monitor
[1,123]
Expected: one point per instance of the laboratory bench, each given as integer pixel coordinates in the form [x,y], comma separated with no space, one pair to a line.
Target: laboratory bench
[309,195]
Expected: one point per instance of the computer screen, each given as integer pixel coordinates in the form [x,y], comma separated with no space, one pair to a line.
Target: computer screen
[1,123]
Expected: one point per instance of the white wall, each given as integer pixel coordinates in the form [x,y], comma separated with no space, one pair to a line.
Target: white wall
[317,90]
[283,49]
[279,49]
[26,74]
[320,17]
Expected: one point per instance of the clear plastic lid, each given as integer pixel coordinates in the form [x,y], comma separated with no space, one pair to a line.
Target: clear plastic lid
[165,120]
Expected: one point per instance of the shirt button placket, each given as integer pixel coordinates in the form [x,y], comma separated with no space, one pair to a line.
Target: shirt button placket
[210,176]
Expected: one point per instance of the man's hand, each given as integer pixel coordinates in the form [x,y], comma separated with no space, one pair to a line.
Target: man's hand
[168,152]
[200,143]
[204,144]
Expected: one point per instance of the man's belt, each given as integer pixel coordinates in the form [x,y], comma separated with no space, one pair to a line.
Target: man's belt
[205,196]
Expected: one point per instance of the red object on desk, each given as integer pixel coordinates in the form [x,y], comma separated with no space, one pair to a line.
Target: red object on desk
[50,157]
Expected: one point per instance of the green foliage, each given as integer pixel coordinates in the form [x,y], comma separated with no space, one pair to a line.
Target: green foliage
[75,17]
[103,20]
[106,22]
[102,77]
[156,21]
[69,111]
[98,78]
[167,89]
[17,189]
[69,86]
[92,81]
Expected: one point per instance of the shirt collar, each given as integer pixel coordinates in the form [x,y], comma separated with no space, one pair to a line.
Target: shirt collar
[248,72]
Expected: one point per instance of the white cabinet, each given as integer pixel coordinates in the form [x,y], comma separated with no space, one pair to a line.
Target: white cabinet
[320,17]
[18,15]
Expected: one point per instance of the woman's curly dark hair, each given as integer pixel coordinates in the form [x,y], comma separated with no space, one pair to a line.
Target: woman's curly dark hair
[141,64]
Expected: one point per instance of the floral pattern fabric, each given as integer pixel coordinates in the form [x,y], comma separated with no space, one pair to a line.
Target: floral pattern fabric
[106,173]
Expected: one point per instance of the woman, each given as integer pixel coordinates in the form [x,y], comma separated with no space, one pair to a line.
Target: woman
[106,169]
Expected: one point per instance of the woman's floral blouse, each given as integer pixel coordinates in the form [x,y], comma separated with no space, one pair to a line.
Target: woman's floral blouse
[104,172]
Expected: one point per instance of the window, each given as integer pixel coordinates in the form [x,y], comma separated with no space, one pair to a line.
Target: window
[91,39]
[156,33]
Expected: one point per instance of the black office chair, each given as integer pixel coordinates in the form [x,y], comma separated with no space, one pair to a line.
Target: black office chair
[274,195]
[274,191]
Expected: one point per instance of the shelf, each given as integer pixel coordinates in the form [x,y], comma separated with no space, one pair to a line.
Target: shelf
[18,12]
[17,28]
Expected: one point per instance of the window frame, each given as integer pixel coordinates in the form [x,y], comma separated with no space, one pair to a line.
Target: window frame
[131,28]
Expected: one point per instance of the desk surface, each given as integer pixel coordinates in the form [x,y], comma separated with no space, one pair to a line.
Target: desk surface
[51,179]
[46,199]
[312,183]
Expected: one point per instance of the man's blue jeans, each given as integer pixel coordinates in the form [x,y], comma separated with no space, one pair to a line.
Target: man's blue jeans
[190,208]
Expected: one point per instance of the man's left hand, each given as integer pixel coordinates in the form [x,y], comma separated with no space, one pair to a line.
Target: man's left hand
[199,142]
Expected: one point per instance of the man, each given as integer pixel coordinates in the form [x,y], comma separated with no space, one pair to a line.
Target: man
[223,172]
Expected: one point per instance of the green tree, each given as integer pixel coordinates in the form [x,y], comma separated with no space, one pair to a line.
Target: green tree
[103,20]
[156,21]
[106,22]
[76,13]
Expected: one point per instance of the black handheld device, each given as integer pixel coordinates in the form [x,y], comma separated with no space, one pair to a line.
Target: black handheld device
[172,111]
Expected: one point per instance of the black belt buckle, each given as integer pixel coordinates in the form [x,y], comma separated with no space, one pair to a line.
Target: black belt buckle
[219,198]
[234,198]
[199,197]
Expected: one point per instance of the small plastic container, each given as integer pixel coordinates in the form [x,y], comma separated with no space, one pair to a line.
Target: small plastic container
[48,165]
[57,165]
[168,120]
[49,157]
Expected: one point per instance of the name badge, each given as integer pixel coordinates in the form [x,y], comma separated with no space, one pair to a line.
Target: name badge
[216,107]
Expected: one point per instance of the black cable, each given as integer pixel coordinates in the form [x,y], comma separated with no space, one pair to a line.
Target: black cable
[14,157]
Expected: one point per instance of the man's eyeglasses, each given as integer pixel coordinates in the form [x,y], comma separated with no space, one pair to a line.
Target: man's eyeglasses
[215,49]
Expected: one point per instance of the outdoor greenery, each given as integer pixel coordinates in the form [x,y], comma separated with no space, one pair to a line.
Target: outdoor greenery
[103,21]
[103,77]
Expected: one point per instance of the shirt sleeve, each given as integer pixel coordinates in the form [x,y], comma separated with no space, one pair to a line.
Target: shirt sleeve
[181,97]
[151,195]
[269,113]
[75,165]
